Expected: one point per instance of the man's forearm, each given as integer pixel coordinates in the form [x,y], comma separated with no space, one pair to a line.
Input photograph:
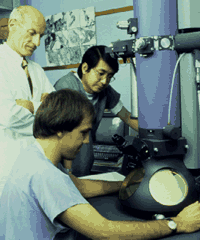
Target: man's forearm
[99,187]
[133,123]
[139,230]
[92,188]
[125,116]
[105,187]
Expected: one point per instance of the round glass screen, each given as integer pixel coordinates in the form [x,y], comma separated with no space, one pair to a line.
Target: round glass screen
[168,187]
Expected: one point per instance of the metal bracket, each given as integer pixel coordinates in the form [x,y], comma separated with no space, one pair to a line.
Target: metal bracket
[121,49]
[131,25]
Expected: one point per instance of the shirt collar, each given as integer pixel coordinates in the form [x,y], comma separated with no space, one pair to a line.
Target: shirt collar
[14,55]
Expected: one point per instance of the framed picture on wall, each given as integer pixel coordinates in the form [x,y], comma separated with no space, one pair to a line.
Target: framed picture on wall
[68,35]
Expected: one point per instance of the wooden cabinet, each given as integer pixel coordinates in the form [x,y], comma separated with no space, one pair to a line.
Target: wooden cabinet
[6,6]
[3,28]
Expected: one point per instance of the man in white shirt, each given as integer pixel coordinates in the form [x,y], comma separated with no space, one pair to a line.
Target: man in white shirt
[20,93]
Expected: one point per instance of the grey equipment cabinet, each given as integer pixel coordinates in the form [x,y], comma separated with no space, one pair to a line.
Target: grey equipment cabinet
[6,6]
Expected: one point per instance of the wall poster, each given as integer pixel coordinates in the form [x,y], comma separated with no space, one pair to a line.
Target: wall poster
[68,35]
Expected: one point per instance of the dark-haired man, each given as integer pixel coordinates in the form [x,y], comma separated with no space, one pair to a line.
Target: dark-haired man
[94,75]
[41,199]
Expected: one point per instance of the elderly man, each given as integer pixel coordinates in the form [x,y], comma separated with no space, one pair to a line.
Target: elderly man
[23,85]
[39,202]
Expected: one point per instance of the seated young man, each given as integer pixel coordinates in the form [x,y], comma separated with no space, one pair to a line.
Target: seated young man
[41,198]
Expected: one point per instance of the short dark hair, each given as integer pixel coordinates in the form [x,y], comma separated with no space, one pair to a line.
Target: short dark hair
[61,111]
[92,57]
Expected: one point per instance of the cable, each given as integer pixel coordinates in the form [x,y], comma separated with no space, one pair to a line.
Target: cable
[172,87]
[134,68]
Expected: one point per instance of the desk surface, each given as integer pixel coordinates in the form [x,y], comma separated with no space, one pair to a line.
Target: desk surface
[112,176]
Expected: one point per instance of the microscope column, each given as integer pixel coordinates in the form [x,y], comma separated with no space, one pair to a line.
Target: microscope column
[154,74]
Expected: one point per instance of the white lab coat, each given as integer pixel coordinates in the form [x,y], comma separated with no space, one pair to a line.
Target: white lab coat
[16,122]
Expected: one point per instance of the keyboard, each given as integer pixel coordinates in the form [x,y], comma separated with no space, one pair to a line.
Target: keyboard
[106,152]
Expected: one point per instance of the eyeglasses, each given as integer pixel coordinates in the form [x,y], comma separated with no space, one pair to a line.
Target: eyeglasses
[102,76]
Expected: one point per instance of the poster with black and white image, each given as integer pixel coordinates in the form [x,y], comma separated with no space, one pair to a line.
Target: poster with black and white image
[68,35]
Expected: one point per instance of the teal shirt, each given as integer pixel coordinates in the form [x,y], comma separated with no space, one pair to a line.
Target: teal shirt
[107,99]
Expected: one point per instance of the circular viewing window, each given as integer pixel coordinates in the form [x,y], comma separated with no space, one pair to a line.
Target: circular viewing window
[168,187]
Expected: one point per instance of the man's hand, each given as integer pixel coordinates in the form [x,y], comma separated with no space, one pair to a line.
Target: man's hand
[26,104]
[44,95]
[135,176]
[188,219]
